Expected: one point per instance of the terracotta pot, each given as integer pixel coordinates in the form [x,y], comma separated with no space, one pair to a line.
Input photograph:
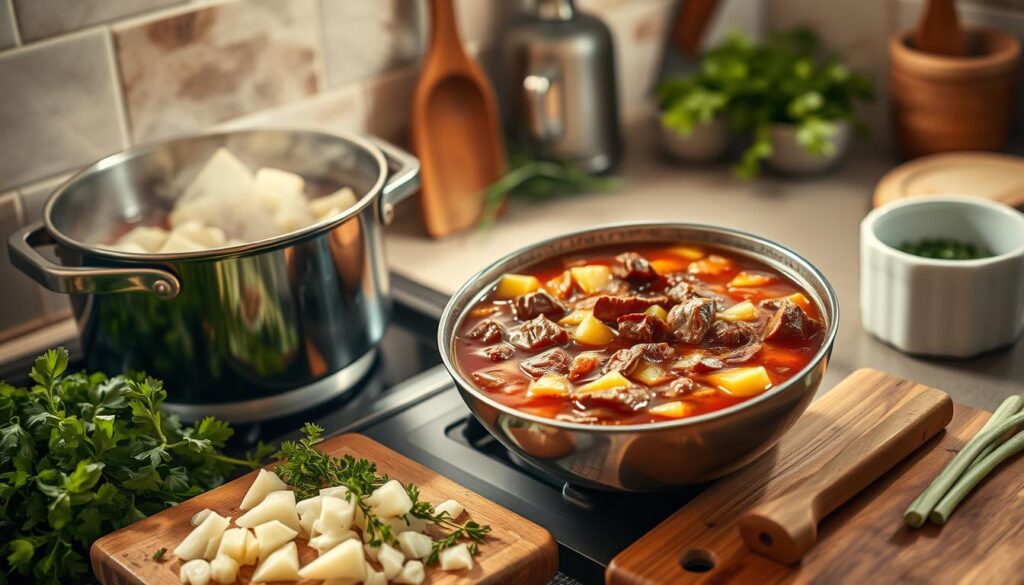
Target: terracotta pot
[941,104]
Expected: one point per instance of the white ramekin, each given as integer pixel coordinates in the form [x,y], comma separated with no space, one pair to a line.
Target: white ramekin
[952,308]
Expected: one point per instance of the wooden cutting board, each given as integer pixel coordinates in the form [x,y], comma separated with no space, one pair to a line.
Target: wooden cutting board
[864,541]
[516,551]
[989,175]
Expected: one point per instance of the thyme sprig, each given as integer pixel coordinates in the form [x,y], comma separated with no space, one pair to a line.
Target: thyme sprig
[307,470]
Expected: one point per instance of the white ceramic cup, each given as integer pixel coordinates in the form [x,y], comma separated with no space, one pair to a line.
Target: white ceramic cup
[951,308]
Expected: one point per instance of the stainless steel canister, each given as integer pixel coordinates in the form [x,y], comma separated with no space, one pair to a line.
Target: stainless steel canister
[560,71]
[244,332]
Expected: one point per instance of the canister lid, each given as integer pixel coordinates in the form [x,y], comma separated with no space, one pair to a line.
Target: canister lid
[994,176]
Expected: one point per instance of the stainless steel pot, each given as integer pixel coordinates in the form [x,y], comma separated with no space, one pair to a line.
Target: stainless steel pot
[654,456]
[244,332]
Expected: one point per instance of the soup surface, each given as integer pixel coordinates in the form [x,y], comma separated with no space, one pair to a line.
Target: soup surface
[644,334]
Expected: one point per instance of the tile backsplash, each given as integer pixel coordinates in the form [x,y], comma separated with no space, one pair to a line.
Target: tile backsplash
[81,79]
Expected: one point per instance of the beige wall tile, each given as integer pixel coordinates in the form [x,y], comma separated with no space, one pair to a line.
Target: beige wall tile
[8,34]
[38,19]
[184,72]
[366,38]
[22,306]
[481,21]
[388,99]
[58,109]
[338,110]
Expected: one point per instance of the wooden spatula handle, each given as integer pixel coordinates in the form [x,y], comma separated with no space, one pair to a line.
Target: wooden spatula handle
[786,528]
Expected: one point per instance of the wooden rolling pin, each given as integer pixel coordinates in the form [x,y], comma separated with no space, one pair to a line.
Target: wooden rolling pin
[786,528]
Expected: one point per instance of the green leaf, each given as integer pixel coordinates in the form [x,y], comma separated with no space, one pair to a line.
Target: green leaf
[59,511]
[215,431]
[85,477]
[49,366]
[20,555]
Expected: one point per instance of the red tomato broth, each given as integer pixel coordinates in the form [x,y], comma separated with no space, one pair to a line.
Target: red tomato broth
[781,359]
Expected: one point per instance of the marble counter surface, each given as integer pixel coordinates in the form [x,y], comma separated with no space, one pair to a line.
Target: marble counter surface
[818,217]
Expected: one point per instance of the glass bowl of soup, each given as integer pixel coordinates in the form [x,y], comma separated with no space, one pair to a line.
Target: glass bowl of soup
[640,357]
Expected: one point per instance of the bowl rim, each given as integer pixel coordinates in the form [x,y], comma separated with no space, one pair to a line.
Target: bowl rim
[447,317]
[243,249]
[870,221]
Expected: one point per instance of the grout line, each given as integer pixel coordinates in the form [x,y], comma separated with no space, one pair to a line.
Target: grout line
[118,86]
[14,22]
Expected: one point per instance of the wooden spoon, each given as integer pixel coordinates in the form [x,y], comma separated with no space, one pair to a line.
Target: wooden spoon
[787,527]
[455,129]
[939,31]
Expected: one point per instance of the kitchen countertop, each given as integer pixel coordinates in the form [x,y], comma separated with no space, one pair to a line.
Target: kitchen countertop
[818,217]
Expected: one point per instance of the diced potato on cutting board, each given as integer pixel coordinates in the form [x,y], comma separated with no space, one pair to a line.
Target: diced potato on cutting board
[609,381]
[744,382]
[591,331]
[512,285]
[592,278]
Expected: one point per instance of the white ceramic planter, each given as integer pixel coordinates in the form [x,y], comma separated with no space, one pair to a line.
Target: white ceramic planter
[952,308]
[707,142]
[789,157]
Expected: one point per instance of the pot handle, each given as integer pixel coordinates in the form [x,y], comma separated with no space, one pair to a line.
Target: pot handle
[403,178]
[79,280]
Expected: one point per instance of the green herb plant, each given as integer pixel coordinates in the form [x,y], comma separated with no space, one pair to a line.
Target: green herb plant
[308,469]
[788,79]
[83,454]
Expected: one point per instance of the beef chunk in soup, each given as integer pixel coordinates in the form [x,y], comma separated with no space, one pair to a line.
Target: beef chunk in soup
[698,362]
[641,328]
[499,352]
[731,334]
[536,303]
[691,320]
[790,323]
[680,291]
[583,365]
[500,381]
[608,308]
[487,331]
[741,354]
[552,361]
[629,398]
[626,360]
[680,387]
[634,268]
[537,334]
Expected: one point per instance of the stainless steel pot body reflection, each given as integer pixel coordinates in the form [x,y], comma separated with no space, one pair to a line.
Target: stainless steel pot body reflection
[246,332]
[654,456]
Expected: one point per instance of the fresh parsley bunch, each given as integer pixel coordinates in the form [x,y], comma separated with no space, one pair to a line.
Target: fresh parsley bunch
[82,455]
[787,79]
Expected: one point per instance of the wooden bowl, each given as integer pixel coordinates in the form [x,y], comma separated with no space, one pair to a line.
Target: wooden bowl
[941,104]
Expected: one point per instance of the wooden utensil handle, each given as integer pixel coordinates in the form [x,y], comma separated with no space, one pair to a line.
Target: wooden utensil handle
[786,528]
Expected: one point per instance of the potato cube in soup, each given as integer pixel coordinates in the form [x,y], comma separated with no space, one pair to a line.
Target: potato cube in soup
[560,286]
[609,381]
[677,409]
[713,265]
[746,279]
[802,301]
[657,311]
[270,179]
[650,374]
[744,311]
[575,318]
[549,385]
[591,331]
[592,278]
[512,285]
[665,266]
[223,175]
[749,381]
[333,204]
[688,252]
